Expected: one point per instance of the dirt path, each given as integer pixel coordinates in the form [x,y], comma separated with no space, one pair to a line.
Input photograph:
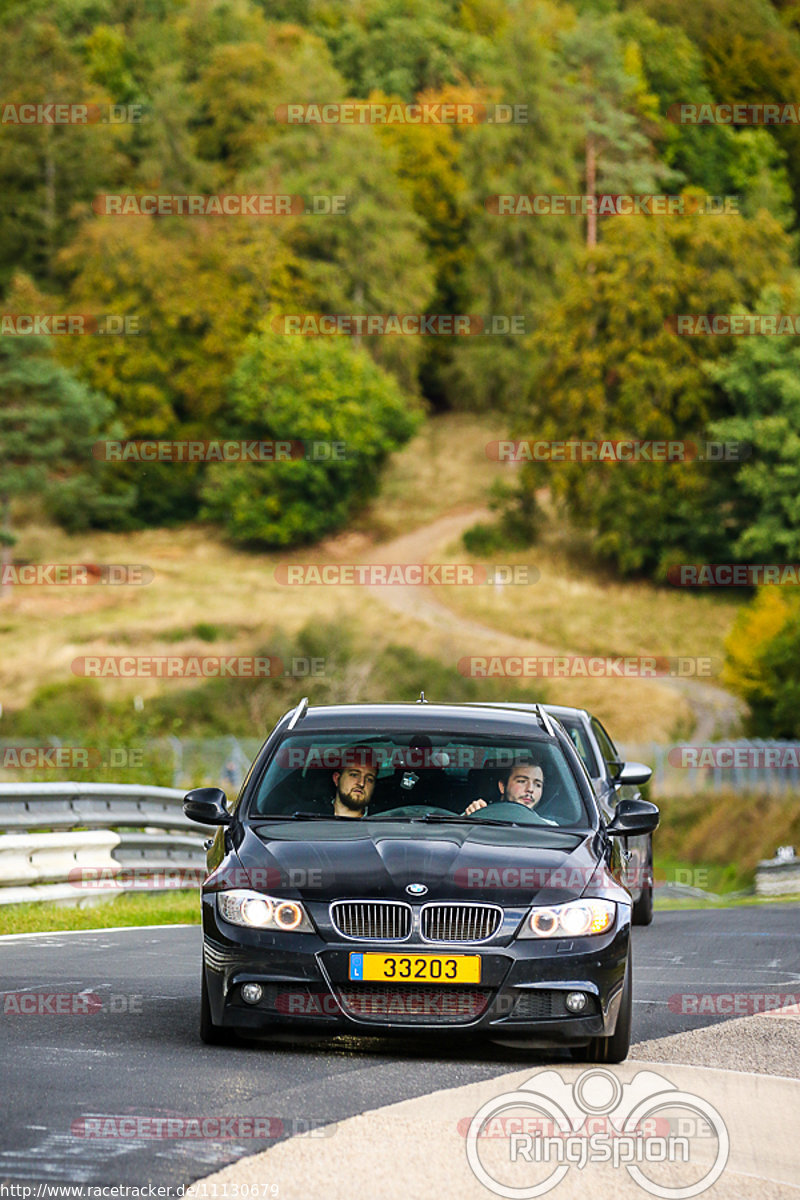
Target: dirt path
[714,711]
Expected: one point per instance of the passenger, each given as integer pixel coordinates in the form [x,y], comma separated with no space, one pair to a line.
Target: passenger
[355,783]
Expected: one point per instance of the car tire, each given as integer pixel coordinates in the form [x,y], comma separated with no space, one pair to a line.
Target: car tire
[613,1049]
[211,1034]
[642,911]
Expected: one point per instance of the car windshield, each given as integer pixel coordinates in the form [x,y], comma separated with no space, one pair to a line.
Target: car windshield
[425,777]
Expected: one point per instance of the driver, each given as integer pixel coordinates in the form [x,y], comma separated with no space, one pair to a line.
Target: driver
[523,783]
[355,783]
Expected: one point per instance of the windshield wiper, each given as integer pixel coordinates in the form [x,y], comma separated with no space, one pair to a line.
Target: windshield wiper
[439,817]
[266,818]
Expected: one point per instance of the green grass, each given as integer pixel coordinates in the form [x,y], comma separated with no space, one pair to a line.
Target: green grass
[356,668]
[716,877]
[206,594]
[577,604]
[724,833]
[169,908]
[444,468]
[663,905]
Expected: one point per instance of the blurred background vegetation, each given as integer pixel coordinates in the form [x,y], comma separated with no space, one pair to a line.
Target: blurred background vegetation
[597,360]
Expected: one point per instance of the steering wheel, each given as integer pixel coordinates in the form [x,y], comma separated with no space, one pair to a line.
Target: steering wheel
[509,810]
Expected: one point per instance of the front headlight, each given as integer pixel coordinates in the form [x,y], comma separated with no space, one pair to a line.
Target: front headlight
[254,910]
[576,918]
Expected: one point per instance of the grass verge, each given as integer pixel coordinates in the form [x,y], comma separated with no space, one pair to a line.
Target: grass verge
[688,904]
[171,908]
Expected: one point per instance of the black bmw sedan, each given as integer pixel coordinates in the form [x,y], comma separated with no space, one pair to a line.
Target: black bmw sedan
[389,868]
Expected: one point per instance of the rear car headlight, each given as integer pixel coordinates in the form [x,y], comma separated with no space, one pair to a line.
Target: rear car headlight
[254,910]
[576,918]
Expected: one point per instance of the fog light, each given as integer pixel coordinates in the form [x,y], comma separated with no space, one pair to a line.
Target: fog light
[576,1002]
[252,992]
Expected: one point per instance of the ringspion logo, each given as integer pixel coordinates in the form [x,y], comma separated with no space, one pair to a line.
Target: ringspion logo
[550,1126]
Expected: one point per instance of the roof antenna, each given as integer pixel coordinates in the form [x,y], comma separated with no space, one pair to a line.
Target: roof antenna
[422,699]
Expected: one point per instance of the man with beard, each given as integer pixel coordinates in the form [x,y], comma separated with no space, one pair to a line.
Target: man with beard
[355,782]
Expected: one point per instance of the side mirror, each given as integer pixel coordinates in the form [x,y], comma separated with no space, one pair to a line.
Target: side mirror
[207,806]
[632,817]
[632,773]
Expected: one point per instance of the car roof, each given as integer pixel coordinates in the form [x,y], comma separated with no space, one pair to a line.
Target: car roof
[567,710]
[556,710]
[445,718]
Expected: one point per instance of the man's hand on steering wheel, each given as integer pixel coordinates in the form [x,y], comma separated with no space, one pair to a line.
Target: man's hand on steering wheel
[476,804]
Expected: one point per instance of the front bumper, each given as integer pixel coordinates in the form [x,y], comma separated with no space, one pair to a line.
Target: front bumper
[523,985]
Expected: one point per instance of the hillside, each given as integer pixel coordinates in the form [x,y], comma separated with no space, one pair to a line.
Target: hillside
[207,598]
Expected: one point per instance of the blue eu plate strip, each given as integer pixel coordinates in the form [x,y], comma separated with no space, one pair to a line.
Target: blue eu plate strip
[356,966]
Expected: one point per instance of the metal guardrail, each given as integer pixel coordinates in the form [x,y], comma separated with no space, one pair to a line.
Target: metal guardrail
[779,876]
[78,842]
[757,766]
[184,762]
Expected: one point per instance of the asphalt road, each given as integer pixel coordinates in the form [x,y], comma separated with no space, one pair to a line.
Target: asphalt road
[136,1053]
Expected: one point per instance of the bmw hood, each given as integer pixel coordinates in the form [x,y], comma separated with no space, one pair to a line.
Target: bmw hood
[326,860]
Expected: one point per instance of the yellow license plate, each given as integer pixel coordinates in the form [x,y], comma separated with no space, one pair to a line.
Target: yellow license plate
[416,968]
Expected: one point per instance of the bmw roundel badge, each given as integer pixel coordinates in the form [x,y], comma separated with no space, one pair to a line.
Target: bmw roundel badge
[416,889]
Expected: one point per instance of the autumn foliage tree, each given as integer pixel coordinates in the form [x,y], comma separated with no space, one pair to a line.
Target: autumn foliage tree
[347,413]
[610,364]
